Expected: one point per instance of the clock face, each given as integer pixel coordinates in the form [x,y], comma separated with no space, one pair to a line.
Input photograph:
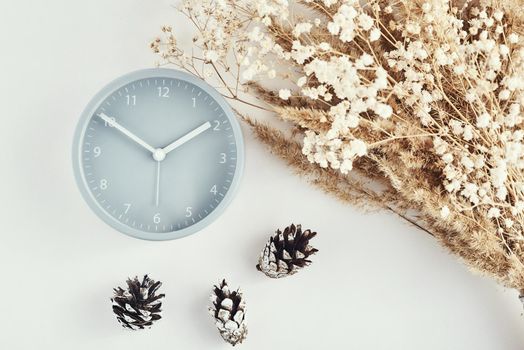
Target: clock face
[158,154]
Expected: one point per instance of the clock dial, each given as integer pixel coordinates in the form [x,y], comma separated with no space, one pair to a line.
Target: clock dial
[159,154]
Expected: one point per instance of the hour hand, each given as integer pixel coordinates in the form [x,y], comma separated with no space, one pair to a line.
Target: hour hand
[179,142]
[112,122]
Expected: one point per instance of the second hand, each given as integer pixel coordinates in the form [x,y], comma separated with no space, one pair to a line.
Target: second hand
[157,197]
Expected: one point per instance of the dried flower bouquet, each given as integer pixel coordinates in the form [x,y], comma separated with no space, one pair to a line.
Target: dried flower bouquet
[415,107]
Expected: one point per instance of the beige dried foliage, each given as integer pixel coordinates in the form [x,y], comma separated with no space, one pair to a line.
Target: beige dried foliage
[345,188]
[415,107]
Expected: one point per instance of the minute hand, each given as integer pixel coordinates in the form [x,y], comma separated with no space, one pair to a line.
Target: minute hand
[186,137]
[126,132]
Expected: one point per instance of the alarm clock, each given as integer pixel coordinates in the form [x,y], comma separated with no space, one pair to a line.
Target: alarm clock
[158,154]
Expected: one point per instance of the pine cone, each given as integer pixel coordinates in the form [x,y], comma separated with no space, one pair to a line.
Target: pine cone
[138,306]
[286,253]
[229,309]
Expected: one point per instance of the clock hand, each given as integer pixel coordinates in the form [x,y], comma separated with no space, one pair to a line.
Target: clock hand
[179,142]
[126,132]
[157,197]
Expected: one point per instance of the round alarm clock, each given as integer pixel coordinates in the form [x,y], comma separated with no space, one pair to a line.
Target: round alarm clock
[158,154]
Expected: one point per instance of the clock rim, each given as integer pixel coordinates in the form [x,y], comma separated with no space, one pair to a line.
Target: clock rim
[78,139]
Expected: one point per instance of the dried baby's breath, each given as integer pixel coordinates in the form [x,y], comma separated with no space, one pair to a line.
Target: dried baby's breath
[423,98]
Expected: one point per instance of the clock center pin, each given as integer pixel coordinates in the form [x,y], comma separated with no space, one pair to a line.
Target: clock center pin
[159,155]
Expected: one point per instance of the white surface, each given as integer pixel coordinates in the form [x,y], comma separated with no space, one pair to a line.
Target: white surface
[375,284]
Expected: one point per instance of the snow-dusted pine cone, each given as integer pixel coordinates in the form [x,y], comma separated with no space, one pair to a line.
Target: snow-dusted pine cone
[286,252]
[139,305]
[229,309]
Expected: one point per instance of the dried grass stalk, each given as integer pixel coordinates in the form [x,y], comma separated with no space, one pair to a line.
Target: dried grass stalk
[409,106]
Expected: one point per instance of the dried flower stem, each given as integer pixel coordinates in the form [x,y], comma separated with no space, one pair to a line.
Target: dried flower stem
[407,106]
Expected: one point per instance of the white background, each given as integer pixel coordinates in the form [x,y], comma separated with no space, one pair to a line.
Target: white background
[375,284]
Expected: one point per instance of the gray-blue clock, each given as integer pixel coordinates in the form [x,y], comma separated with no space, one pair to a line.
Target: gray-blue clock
[158,154]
